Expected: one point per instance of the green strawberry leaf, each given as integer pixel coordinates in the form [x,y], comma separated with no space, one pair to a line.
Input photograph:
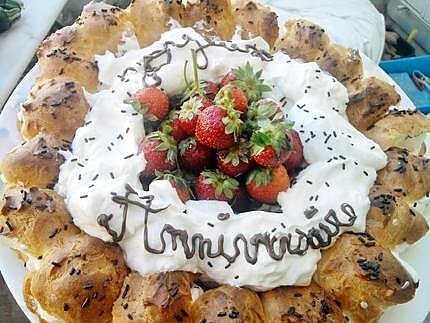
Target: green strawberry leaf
[251,83]
[261,176]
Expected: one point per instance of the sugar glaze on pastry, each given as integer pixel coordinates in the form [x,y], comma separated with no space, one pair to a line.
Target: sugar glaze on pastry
[105,159]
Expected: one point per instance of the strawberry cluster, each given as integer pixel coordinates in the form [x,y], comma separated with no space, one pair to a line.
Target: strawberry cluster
[220,141]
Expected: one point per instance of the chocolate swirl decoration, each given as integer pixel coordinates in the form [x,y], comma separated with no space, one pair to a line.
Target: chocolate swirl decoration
[103,219]
[276,247]
[164,56]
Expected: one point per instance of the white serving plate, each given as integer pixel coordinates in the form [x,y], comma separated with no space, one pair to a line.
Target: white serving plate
[13,270]
[22,40]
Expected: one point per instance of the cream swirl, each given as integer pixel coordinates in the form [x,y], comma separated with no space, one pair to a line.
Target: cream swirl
[343,165]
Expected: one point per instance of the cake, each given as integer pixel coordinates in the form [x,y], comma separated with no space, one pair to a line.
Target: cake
[93,201]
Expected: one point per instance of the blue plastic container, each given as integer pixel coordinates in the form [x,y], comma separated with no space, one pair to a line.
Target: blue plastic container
[400,71]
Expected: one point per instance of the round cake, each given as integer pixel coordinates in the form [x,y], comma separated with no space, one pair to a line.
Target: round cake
[191,162]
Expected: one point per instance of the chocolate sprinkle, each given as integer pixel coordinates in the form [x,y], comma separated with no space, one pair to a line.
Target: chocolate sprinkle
[223,216]
[86,302]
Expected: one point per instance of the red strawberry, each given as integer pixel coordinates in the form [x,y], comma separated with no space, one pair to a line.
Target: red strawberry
[217,127]
[228,78]
[235,161]
[205,102]
[269,145]
[232,96]
[188,114]
[264,184]
[178,183]
[154,103]
[211,89]
[216,186]
[173,126]
[194,156]
[267,157]
[295,157]
[160,152]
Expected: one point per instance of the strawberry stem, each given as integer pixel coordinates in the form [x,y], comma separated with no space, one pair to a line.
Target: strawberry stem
[187,83]
[195,89]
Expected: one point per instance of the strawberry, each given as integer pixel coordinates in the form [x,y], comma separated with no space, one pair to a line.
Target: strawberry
[251,83]
[172,126]
[235,161]
[228,78]
[270,144]
[152,102]
[178,183]
[295,157]
[267,157]
[211,89]
[218,127]
[194,156]
[264,184]
[231,96]
[188,115]
[263,110]
[205,102]
[216,186]
[160,152]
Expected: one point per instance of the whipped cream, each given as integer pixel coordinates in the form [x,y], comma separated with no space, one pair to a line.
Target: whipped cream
[343,165]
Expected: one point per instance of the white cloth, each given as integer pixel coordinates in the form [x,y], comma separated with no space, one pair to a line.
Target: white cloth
[353,23]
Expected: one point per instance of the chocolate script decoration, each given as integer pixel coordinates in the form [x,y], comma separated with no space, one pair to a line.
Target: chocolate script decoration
[103,219]
[165,55]
[276,247]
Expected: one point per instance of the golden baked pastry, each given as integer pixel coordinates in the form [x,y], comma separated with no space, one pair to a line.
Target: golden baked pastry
[256,20]
[304,40]
[300,304]
[364,277]
[33,220]
[403,129]
[79,278]
[99,28]
[77,281]
[228,304]
[55,106]
[391,221]
[35,163]
[407,176]
[162,297]
[370,102]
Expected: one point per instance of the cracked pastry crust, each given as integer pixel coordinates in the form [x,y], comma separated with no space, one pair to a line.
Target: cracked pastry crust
[227,304]
[303,39]
[35,163]
[36,218]
[407,176]
[55,106]
[403,129]
[78,281]
[161,297]
[82,279]
[370,102]
[391,221]
[300,304]
[364,277]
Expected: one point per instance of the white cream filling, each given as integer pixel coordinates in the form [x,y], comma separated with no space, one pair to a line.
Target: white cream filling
[196,292]
[32,263]
[44,315]
[343,165]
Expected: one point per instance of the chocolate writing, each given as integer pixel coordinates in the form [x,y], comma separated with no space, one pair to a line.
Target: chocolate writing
[296,243]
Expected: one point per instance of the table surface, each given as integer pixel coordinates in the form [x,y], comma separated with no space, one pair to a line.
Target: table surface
[9,310]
